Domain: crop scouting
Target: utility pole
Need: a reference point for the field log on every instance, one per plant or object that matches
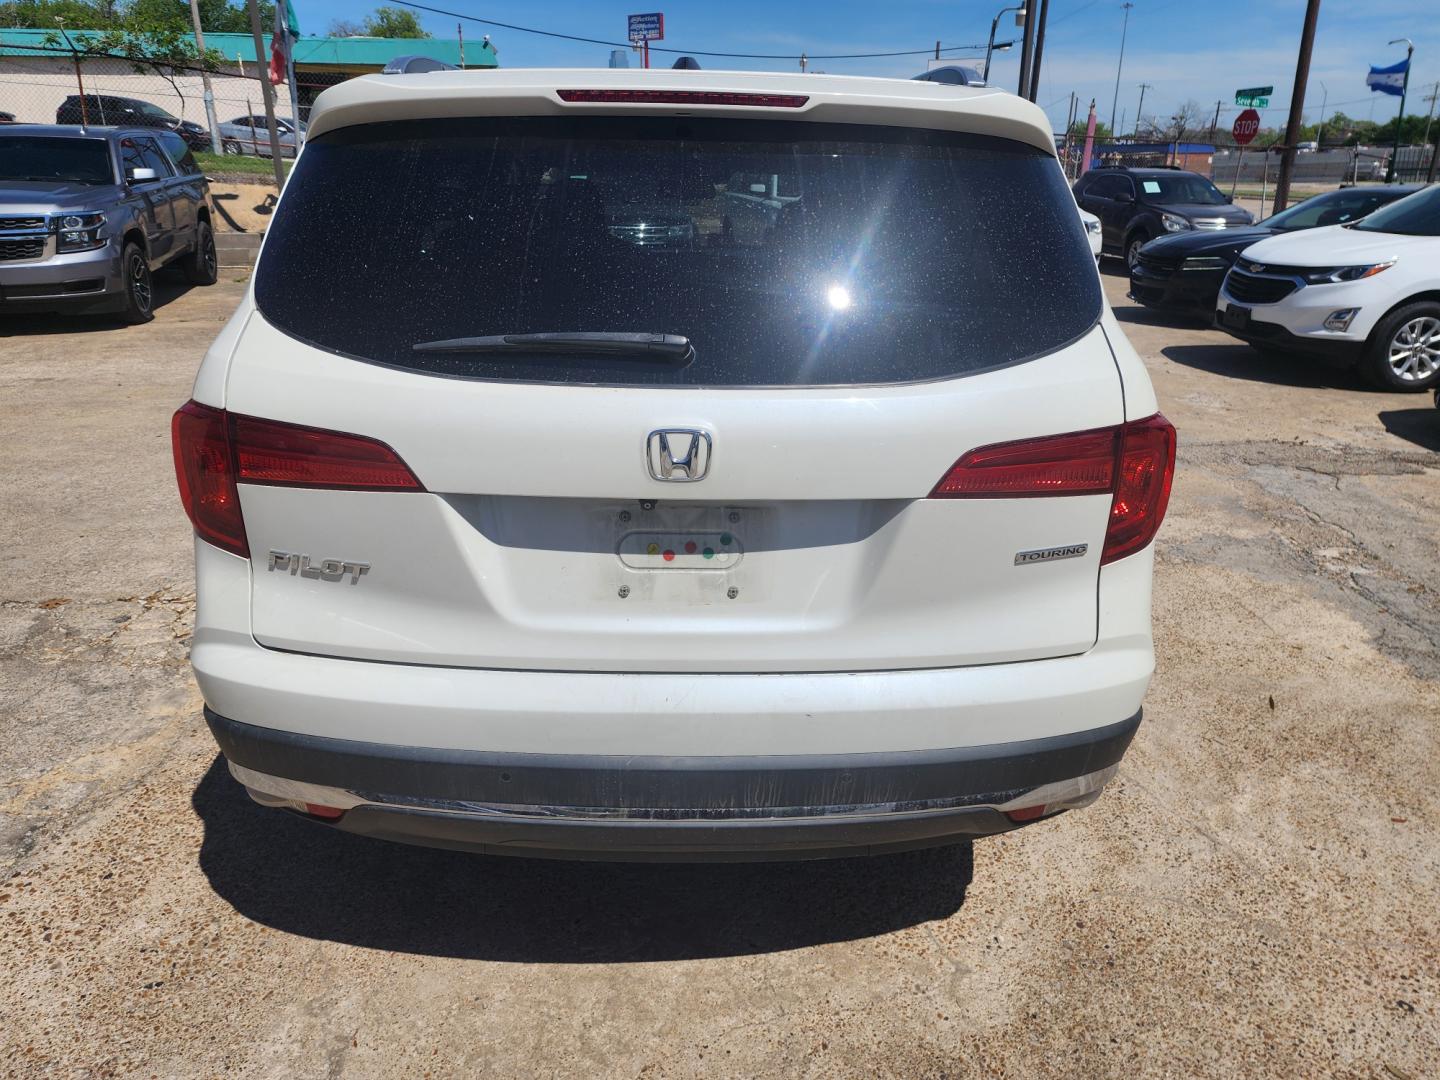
(1039, 49)
(1119, 65)
(1400, 116)
(1297, 107)
(1027, 49)
(209, 94)
(1140, 112)
(268, 91)
(1434, 151)
(1216, 122)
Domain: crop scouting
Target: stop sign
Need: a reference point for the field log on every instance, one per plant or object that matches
(1247, 126)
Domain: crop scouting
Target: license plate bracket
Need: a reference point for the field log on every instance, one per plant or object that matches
(1236, 317)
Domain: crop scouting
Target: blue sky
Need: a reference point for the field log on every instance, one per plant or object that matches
(1184, 49)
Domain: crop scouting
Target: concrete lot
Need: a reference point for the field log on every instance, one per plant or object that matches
(1257, 894)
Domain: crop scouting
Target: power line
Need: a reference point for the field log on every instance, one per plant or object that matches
(930, 51)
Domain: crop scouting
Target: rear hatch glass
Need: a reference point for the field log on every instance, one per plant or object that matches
(787, 253)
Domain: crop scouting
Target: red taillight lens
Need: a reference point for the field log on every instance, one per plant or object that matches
(1079, 464)
(205, 471)
(684, 97)
(216, 450)
(1142, 487)
(287, 455)
(1134, 461)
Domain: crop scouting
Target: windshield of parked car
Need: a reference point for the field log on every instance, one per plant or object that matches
(1334, 208)
(1177, 189)
(788, 253)
(40, 158)
(1417, 215)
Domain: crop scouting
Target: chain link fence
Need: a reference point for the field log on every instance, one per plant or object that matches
(45, 85)
(1227, 165)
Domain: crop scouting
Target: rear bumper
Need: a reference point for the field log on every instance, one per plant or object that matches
(672, 807)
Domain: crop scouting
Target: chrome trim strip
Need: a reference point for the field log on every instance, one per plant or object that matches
(278, 791)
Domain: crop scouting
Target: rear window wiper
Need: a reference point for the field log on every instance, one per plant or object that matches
(622, 345)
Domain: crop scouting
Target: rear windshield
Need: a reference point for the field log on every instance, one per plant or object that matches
(787, 253)
(47, 158)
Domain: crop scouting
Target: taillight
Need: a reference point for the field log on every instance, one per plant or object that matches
(288, 455)
(205, 471)
(1142, 487)
(1134, 463)
(1082, 463)
(216, 450)
(683, 97)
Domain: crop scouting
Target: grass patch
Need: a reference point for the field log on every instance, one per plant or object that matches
(240, 165)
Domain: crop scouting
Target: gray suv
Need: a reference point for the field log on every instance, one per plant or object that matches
(87, 215)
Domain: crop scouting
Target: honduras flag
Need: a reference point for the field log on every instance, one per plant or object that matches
(1388, 80)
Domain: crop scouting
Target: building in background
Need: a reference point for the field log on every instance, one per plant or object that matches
(35, 77)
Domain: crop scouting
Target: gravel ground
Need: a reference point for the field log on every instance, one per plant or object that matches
(1257, 894)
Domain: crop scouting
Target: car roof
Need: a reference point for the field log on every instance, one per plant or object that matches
(75, 131)
(828, 99)
(1143, 170)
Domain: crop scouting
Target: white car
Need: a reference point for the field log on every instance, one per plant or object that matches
(1365, 293)
(1092, 231)
(515, 535)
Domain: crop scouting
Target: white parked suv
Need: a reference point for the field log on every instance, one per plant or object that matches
(520, 534)
(1365, 293)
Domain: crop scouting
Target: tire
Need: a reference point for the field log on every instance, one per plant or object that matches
(1132, 249)
(231, 147)
(139, 286)
(201, 265)
(1403, 353)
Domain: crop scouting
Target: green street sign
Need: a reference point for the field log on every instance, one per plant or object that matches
(1257, 97)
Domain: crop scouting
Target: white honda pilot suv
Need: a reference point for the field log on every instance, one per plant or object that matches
(551, 500)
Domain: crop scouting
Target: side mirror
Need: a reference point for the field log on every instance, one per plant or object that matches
(1229, 199)
(136, 176)
(1124, 197)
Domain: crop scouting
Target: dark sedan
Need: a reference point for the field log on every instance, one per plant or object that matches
(1182, 273)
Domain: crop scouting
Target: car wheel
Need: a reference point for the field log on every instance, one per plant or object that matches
(231, 147)
(201, 266)
(139, 287)
(1132, 249)
(1404, 350)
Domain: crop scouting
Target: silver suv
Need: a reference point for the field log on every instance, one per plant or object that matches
(88, 214)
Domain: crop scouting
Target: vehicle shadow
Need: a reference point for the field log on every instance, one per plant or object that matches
(1240, 361)
(306, 879)
(1144, 316)
(1419, 426)
(169, 287)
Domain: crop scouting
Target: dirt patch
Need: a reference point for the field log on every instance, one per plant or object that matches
(242, 207)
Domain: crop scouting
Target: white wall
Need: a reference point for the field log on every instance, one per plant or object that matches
(33, 87)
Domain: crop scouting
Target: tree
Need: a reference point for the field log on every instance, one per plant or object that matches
(1185, 121)
(1077, 130)
(42, 14)
(345, 28)
(217, 16)
(393, 22)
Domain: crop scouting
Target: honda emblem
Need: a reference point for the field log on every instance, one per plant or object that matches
(679, 454)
